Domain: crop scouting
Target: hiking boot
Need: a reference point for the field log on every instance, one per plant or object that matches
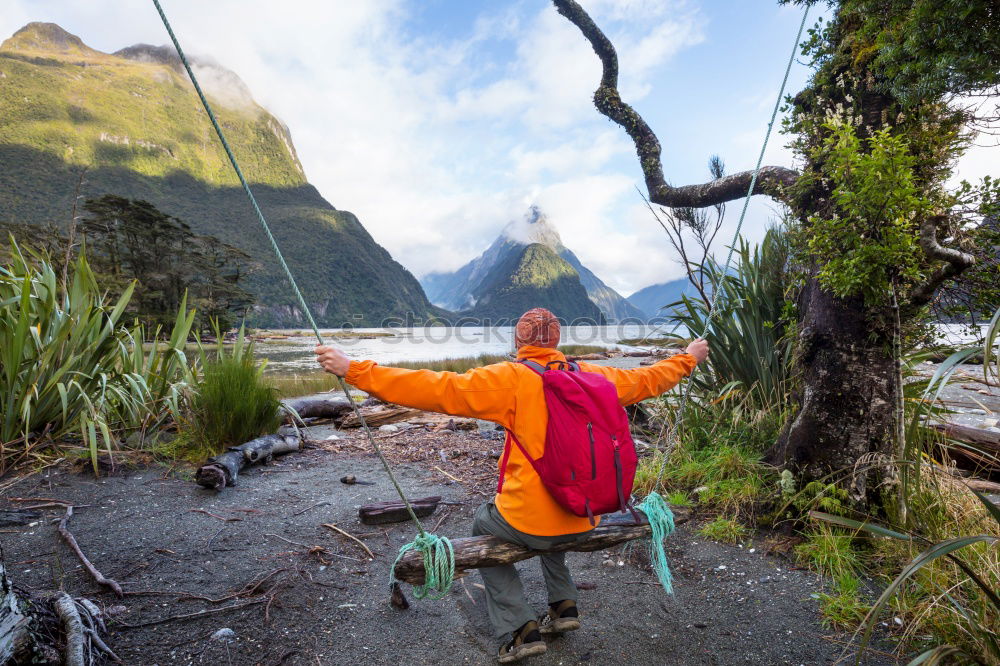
(563, 616)
(525, 642)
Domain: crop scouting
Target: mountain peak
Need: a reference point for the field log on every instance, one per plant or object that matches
(534, 227)
(220, 83)
(164, 55)
(48, 38)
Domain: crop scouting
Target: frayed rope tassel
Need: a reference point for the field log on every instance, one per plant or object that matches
(661, 523)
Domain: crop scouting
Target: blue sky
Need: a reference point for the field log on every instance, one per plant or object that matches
(438, 121)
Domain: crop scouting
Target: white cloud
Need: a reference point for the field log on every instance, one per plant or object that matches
(437, 142)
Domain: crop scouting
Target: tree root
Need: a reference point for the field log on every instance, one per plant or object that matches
(76, 638)
(71, 540)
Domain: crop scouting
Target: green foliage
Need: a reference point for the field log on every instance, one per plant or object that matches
(830, 551)
(716, 460)
(678, 498)
(232, 403)
(131, 241)
(103, 109)
(820, 496)
(869, 242)
(749, 333)
(926, 48)
(845, 608)
(958, 594)
(69, 367)
(579, 350)
(725, 530)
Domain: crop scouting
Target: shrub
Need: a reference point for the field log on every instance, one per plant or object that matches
(69, 366)
(233, 403)
(725, 530)
(749, 333)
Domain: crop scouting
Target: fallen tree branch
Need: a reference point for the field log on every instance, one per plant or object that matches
(188, 616)
(91, 569)
(351, 536)
(379, 417)
(976, 436)
(223, 469)
(317, 407)
(490, 551)
(771, 180)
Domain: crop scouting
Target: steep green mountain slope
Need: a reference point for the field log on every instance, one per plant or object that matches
(132, 120)
(455, 291)
(535, 276)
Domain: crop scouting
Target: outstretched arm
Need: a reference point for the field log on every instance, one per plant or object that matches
(638, 384)
(482, 393)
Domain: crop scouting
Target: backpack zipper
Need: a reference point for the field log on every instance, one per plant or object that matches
(618, 476)
(593, 458)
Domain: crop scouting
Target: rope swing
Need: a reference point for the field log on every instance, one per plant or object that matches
(438, 554)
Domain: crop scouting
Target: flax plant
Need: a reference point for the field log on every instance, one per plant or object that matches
(70, 369)
(751, 344)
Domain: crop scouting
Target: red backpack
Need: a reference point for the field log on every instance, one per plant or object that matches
(589, 461)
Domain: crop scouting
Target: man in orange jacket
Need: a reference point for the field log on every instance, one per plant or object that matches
(510, 394)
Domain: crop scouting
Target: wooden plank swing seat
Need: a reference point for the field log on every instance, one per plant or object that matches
(476, 552)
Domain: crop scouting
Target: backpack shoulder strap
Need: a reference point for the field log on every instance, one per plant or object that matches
(537, 367)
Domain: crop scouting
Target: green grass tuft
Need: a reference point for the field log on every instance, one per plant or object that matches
(828, 550)
(725, 530)
(844, 608)
(233, 403)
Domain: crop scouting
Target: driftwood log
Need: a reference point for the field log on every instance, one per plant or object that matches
(380, 417)
(983, 439)
(490, 551)
(15, 623)
(223, 469)
(317, 406)
(381, 513)
(10, 517)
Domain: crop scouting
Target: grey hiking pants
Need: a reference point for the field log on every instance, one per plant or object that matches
(505, 602)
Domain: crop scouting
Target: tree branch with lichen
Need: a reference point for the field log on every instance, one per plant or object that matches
(955, 261)
(771, 180)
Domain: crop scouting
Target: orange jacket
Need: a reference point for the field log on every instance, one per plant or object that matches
(511, 394)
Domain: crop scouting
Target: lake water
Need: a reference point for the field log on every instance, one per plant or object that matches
(430, 343)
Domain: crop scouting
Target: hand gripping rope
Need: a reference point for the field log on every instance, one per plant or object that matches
(439, 557)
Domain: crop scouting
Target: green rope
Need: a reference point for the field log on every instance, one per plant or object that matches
(661, 524)
(439, 565)
(424, 541)
(713, 308)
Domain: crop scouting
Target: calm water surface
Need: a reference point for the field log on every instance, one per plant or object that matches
(430, 343)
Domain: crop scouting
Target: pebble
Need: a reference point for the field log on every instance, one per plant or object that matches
(225, 634)
(389, 427)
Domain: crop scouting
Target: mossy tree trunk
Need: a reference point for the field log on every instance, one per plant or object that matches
(846, 403)
(846, 409)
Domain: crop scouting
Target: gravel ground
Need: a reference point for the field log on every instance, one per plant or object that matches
(163, 537)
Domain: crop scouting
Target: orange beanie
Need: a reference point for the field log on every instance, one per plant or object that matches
(537, 327)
